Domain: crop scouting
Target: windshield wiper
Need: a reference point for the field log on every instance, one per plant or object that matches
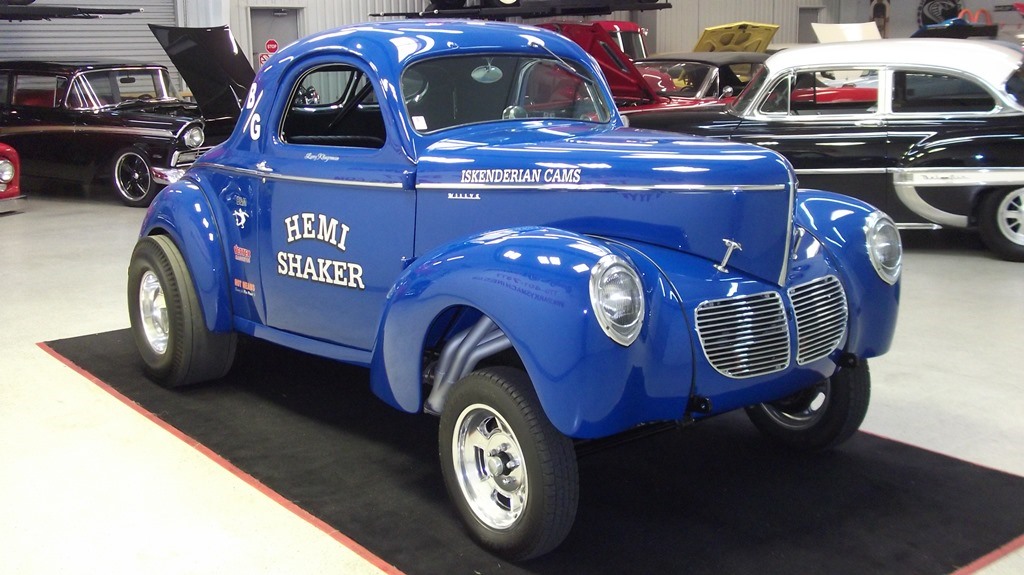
(561, 63)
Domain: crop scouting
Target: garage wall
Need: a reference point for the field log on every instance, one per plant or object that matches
(124, 38)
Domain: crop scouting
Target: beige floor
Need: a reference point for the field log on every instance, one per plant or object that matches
(88, 485)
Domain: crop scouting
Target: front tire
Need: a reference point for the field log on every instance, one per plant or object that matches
(1001, 223)
(511, 475)
(167, 322)
(820, 417)
(133, 178)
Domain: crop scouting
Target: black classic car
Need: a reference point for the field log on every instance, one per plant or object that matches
(100, 121)
(929, 130)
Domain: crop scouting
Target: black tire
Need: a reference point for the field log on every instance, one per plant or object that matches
(166, 321)
(820, 417)
(1001, 223)
(133, 178)
(517, 488)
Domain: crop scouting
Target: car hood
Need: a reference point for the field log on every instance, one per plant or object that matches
(736, 37)
(626, 81)
(213, 66)
(682, 193)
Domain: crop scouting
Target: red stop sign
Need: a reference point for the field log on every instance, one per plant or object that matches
(271, 45)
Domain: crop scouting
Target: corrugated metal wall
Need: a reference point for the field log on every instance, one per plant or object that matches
(113, 37)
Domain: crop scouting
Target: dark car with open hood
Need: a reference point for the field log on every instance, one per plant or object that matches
(123, 123)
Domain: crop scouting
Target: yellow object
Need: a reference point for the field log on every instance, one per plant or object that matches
(736, 37)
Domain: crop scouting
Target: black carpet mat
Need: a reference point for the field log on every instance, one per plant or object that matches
(710, 498)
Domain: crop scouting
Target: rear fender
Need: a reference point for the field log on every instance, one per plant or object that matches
(183, 212)
(533, 283)
(837, 224)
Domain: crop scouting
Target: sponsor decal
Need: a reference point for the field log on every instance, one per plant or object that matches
(240, 217)
(243, 255)
(327, 230)
(247, 288)
(321, 157)
(241, 201)
(522, 176)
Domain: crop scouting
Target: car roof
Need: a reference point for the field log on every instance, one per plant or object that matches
(71, 67)
(989, 60)
(715, 58)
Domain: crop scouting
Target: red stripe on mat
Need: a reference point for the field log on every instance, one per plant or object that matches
(992, 557)
(281, 500)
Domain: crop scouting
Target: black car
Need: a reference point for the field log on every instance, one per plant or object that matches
(929, 130)
(124, 123)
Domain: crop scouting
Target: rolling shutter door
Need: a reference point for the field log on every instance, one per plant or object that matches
(119, 38)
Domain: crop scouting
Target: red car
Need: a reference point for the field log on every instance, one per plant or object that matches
(11, 198)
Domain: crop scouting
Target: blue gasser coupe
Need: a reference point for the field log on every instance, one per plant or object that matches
(458, 207)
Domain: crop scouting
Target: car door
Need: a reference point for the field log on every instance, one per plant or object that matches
(827, 122)
(35, 123)
(336, 209)
(941, 110)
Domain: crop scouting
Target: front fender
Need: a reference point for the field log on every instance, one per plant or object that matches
(183, 212)
(837, 224)
(534, 284)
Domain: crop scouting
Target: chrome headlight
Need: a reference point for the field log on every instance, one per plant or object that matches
(194, 137)
(617, 298)
(6, 171)
(884, 246)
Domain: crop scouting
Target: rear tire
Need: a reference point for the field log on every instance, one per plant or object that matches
(819, 417)
(167, 322)
(511, 475)
(1001, 223)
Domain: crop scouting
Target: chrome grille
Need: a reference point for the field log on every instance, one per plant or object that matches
(820, 308)
(744, 336)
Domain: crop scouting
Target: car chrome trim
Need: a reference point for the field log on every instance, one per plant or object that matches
(19, 130)
(907, 180)
(820, 171)
(283, 177)
(15, 204)
(658, 187)
(744, 336)
(918, 226)
(820, 310)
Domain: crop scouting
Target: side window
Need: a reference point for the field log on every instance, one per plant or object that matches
(38, 91)
(4, 83)
(825, 93)
(334, 105)
(916, 92)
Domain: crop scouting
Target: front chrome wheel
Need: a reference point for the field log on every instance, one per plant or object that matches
(153, 313)
(489, 465)
(132, 178)
(801, 411)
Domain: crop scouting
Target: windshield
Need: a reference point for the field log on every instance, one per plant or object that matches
(632, 43)
(679, 79)
(748, 94)
(103, 88)
(1015, 85)
(445, 92)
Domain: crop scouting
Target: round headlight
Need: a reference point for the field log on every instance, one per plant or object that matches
(884, 247)
(6, 171)
(617, 298)
(194, 137)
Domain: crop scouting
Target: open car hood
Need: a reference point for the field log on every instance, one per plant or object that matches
(212, 64)
(736, 37)
(626, 81)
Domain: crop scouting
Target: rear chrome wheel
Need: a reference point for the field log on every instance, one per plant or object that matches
(1001, 223)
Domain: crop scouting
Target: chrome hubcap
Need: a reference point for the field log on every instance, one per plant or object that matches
(153, 312)
(489, 464)
(802, 410)
(1010, 216)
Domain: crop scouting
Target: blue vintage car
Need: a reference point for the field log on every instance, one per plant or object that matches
(458, 207)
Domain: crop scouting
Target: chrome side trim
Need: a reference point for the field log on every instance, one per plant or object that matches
(841, 171)
(19, 130)
(282, 177)
(907, 180)
(657, 187)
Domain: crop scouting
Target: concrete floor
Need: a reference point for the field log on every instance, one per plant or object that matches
(89, 485)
